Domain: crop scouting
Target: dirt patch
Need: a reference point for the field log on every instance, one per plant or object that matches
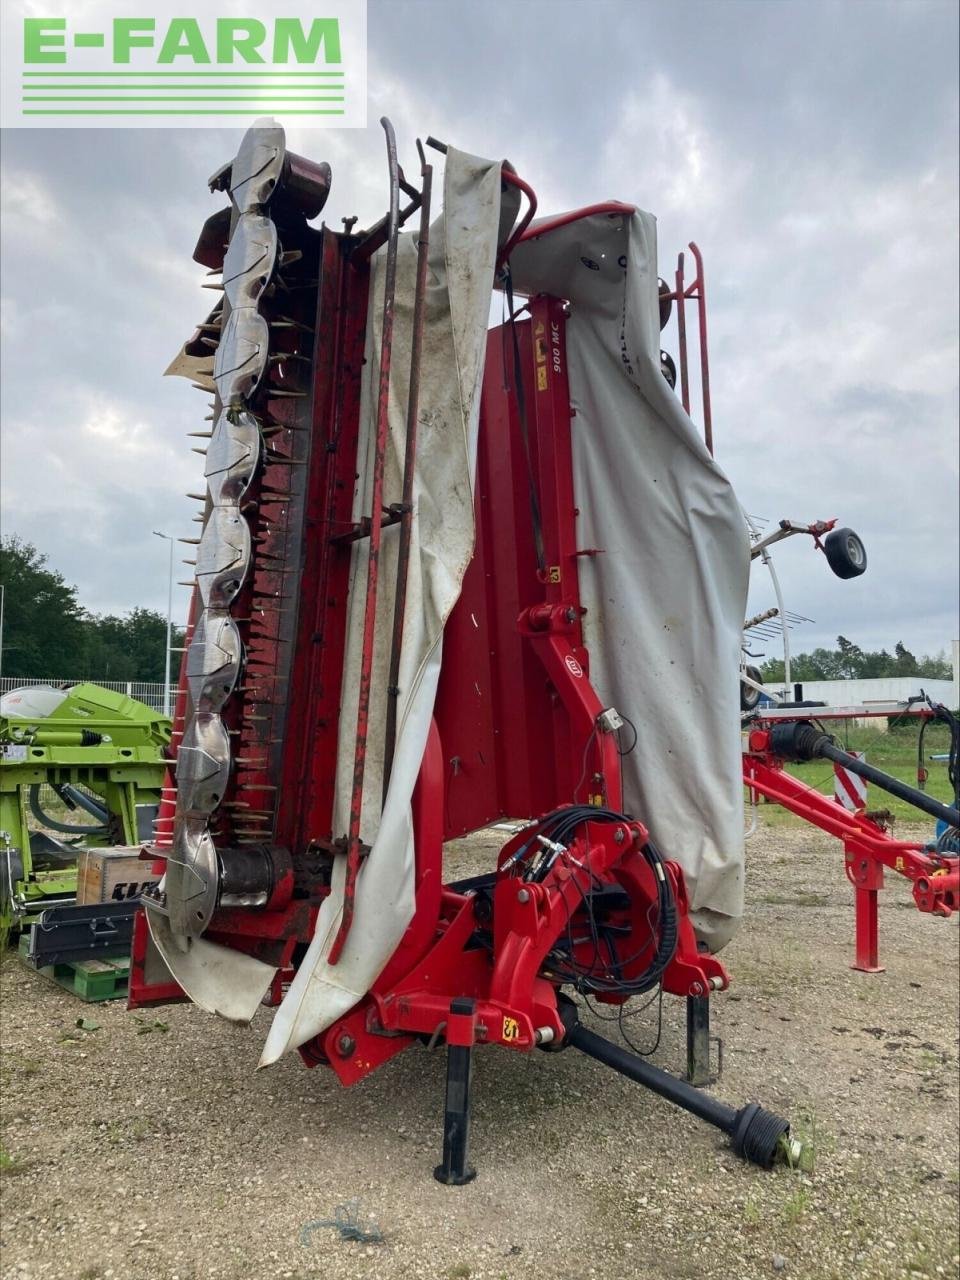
(150, 1147)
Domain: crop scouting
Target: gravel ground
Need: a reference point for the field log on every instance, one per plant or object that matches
(151, 1148)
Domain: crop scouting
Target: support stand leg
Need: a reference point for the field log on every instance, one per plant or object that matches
(867, 930)
(461, 1032)
(698, 1040)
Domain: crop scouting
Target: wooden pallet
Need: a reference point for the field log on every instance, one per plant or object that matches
(91, 980)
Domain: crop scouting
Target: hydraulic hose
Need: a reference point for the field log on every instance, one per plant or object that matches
(72, 796)
(64, 828)
(800, 740)
(757, 1135)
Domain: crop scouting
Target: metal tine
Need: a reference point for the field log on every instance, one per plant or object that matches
(409, 467)
(373, 555)
(286, 322)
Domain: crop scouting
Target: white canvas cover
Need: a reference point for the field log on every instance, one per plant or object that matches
(666, 599)
(463, 247)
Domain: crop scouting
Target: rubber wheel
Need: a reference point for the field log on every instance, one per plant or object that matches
(846, 554)
(750, 697)
(668, 369)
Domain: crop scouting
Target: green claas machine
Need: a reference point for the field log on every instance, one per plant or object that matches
(80, 767)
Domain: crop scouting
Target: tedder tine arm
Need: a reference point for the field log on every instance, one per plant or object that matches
(373, 558)
(409, 466)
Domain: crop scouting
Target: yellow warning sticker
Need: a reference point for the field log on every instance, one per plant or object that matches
(542, 378)
(511, 1029)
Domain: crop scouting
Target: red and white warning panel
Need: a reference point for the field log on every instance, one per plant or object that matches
(849, 789)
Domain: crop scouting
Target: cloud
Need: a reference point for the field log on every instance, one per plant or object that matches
(811, 155)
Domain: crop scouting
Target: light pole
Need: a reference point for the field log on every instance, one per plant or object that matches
(166, 665)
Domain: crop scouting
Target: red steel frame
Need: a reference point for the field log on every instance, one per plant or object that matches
(867, 848)
(538, 630)
(555, 754)
(682, 292)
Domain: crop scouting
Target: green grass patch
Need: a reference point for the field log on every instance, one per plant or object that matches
(11, 1164)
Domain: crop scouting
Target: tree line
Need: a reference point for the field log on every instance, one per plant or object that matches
(849, 662)
(47, 632)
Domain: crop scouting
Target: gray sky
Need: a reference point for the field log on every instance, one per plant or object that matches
(809, 148)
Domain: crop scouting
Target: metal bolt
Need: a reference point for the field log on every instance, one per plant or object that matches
(619, 836)
(696, 989)
(523, 895)
(345, 1045)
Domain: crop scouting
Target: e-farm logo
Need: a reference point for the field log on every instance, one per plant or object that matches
(92, 64)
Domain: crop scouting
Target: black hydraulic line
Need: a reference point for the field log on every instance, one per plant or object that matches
(800, 740)
(756, 1134)
(71, 795)
(64, 828)
(897, 788)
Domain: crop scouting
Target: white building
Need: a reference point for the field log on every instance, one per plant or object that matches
(846, 693)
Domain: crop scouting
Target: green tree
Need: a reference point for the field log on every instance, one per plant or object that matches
(849, 662)
(48, 635)
(936, 667)
(906, 663)
(43, 622)
(128, 648)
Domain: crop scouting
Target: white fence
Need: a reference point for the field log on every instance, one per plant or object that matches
(145, 691)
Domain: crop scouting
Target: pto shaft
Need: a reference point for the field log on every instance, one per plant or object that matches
(800, 740)
(757, 1135)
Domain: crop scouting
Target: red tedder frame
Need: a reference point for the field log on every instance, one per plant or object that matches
(867, 847)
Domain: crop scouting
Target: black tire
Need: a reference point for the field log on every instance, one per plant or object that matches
(846, 554)
(750, 697)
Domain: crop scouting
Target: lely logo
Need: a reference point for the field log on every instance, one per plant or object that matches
(91, 63)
